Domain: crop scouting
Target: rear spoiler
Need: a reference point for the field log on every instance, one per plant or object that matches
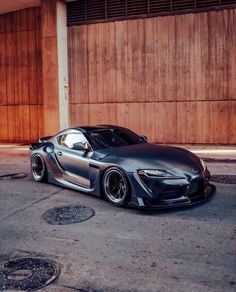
(34, 146)
(44, 139)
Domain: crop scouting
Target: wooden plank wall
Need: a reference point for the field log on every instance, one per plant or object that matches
(21, 104)
(172, 78)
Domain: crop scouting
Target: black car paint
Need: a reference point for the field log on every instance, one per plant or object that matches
(83, 170)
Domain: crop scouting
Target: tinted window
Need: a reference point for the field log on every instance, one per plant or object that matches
(107, 138)
(68, 140)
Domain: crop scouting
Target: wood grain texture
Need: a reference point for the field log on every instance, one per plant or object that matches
(172, 78)
(20, 76)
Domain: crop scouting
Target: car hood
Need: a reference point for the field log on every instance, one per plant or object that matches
(149, 155)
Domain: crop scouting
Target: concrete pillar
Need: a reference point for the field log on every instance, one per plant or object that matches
(62, 64)
(54, 65)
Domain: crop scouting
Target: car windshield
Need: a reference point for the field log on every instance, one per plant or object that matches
(107, 138)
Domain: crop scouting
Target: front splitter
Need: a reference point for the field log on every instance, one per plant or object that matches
(209, 191)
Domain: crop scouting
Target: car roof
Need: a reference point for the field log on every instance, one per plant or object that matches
(85, 129)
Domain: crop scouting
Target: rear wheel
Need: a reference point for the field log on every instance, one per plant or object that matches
(38, 168)
(115, 186)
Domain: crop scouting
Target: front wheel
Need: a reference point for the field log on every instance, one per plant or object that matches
(115, 186)
(38, 168)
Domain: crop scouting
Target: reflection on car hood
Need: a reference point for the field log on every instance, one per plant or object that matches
(148, 155)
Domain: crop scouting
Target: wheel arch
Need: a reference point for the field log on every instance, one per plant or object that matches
(124, 173)
(45, 169)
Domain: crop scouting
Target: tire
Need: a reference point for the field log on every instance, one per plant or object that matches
(38, 168)
(116, 187)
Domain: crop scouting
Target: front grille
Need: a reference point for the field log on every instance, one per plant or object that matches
(170, 193)
(162, 191)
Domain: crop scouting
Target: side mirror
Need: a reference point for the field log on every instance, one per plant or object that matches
(144, 138)
(80, 146)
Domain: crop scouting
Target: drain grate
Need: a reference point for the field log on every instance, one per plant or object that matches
(223, 178)
(12, 176)
(68, 215)
(27, 274)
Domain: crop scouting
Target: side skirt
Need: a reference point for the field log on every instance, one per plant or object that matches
(67, 184)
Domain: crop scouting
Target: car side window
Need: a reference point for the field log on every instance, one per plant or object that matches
(68, 140)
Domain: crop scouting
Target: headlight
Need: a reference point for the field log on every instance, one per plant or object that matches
(154, 173)
(203, 164)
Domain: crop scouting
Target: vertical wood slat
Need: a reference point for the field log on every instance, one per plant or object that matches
(20, 100)
(10, 67)
(231, 53)
(172, 78)
(3, 77)
(4, 123)
(32, 68)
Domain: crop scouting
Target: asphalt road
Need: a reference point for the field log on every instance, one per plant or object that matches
(191, 249)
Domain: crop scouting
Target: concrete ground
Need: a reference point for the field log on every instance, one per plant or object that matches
(191, 249)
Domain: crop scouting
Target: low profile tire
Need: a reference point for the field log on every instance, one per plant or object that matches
(38, 168)
(116, 187)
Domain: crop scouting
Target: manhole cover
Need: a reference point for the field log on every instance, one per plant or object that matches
(27, 274)
(12, 176)
(224, 179)
(68, 215)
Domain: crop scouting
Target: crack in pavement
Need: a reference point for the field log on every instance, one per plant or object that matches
(32, 253)
(31, 205)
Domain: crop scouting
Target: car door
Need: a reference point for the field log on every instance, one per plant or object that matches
(74, 162)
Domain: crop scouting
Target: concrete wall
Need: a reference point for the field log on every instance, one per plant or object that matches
(21, 102)
(171, 78)
(33, 72)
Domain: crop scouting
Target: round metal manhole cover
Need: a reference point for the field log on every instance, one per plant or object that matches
(12, 176)
(68, 215)
(27, 274)
(223, 179)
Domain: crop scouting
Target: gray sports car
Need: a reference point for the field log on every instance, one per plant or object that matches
(115, 162)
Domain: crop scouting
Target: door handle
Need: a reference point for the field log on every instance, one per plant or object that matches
(59, 153)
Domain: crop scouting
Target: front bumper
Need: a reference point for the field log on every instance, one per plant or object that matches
(176, 203)
(170, 193)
